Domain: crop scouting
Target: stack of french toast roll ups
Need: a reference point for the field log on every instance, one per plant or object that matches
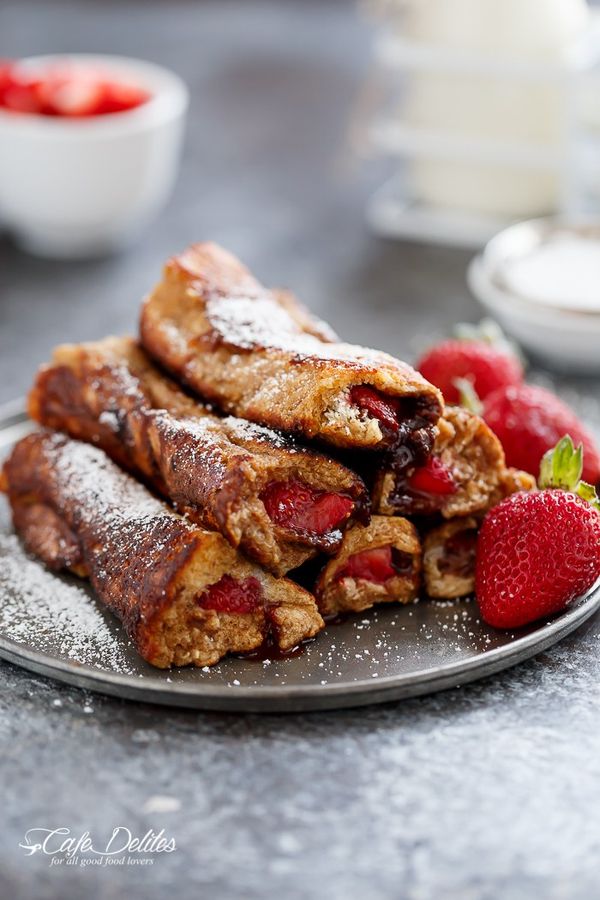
(236, 475)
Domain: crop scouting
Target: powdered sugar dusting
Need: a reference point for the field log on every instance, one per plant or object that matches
(100, 491)
(243, 430)
(55, 615)
(257, 322)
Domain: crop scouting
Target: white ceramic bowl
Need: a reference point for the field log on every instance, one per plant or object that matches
(78, 187)
(563, 340)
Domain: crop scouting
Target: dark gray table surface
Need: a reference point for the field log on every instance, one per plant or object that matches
(483, 792)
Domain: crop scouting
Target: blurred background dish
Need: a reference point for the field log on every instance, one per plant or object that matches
(541, 280)
(81, 186)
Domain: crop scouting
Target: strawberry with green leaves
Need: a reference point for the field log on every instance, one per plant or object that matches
(537, 552)
(480, 354)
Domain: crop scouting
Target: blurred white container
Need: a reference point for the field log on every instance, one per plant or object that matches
(519, 28)
(488, 107)
(540, 281)
(483, 110)
(78, 187)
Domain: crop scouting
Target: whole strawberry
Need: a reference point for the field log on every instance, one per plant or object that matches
(537, 552)
(480, 356)
(529, 421)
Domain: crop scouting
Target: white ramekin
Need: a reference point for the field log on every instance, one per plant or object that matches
(563, 340)
(77, 187)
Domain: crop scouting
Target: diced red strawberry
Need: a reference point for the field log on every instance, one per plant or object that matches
(295, 505)
(231, 596)
(119, 97)
(68, 91)
(377, 565)
(6, 68)
(385, 409)
(72, 97)
(433, 478)
(22, 97)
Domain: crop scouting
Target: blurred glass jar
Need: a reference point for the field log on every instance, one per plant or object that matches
(490, 109)
(489, 106)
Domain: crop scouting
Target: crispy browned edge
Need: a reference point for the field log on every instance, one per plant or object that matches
(354, 595)
(198, 322)
(146, 563)
(109, 393)
(471, 450)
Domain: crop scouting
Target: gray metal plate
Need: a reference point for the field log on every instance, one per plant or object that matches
(53, 625)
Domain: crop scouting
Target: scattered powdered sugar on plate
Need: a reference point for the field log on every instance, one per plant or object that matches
(54, 614)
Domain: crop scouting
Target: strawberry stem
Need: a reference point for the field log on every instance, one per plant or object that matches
(468, 395)
(562, 466)
(588, 492)
(561, 469)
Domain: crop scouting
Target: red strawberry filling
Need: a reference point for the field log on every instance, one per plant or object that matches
(385, 409)
(423, 491)
(231, 596)
(433, 478)
(296, 506)
(377, 565)
(459, 554)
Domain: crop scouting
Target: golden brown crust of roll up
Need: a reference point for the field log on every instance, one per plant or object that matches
(212, 324)
(151, 567)
(337, 594)
(110, 394)
(471, 452)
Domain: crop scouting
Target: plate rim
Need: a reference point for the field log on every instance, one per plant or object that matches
(297, 698)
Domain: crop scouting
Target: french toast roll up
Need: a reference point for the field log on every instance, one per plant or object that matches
(449, 558)
(377, 563)
(461, 476)
(183, 594)
(242, 347)
(449, 549)
(280, 503)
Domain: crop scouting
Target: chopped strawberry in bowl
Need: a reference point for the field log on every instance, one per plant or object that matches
(90, 149)
(68, 90)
